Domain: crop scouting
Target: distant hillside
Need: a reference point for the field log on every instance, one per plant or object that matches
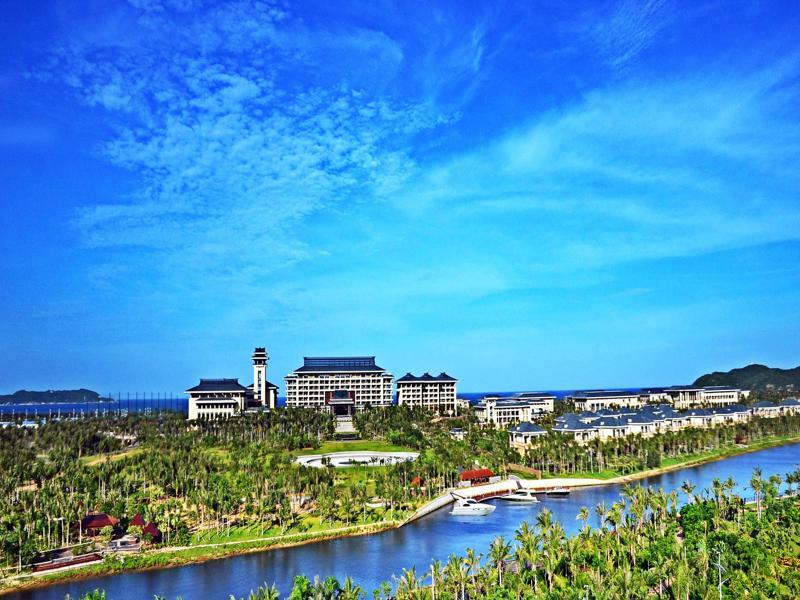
(28, 397)
(755, 377)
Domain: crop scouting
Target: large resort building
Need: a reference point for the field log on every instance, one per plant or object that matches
(508, 410)
(605, 399)
(222, 398)
(689, 396)
(342, 385)
(435, 393)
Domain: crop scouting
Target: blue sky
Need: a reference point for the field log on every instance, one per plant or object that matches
(535, 195)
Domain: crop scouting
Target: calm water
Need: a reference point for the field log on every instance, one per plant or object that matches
(376, 558)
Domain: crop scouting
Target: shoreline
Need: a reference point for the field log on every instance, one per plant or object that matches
(31, 581)
(702, 460)
(241, 547)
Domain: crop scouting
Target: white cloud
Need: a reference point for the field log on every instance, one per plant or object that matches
(233, 143)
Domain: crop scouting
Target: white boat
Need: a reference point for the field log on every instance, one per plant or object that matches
(522, 495)
(467, 507)
(559, 491)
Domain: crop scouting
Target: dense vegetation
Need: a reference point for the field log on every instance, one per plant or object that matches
(181, 477)
(204, 483)
(754, 377)
(236, 479)
(643, 546)
(557, 454)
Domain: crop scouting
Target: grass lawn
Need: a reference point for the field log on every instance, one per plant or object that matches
(96, 459)
(354, 446)
(307, 525)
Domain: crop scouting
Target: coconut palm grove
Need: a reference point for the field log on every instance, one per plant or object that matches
(520, 279)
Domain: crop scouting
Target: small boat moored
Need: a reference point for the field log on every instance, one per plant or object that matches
(468, 507)
(559, 491)
(522, 496)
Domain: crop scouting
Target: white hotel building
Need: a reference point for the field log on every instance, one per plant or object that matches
(222, 398)
(509, 410)
(433, 393)
(342, 385)
(687, 396)
(595, 400)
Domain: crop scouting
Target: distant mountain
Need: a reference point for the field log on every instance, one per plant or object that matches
(755, 377)
(30, 397)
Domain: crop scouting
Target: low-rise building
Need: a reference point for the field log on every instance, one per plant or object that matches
(522, 436)
(581, 432)
(435, 393)
(652, 419)
(216, 398)
(222, 398)
(458, 433)
(689, 396)
(341, 385)
(594, 400)
(502, 411)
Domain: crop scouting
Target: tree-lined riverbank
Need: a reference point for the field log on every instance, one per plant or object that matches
(231, 487)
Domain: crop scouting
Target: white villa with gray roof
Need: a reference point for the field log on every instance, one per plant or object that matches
(647, 421)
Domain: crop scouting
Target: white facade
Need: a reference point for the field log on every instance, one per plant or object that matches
(683, 397)
(264, 393)
(523, 435)
(339, 384)
(605, 399)
(504, 411)
(433, 393)
(216, 398)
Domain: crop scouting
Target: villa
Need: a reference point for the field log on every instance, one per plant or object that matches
(607, 424)
(520, 436)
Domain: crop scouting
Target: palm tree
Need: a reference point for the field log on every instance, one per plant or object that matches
(350, 590)
(757, 483)
(583, 515)
(688, 488)
(499, 552)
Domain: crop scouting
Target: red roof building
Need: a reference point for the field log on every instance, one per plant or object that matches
(153, 531)
(93, 523)
(137, 521)
(476, 475)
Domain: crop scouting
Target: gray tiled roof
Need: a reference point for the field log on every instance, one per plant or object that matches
(338, 364)
(426, 377)
(527, 427)
(218, 385)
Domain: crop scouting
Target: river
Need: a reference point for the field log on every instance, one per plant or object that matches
(371, 559)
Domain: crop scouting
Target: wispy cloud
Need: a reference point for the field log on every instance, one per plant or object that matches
(631, 28)
(646, 169)
(233, 146)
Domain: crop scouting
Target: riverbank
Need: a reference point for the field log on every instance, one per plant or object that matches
(165, 558)
(203, 552)
(685, 462)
